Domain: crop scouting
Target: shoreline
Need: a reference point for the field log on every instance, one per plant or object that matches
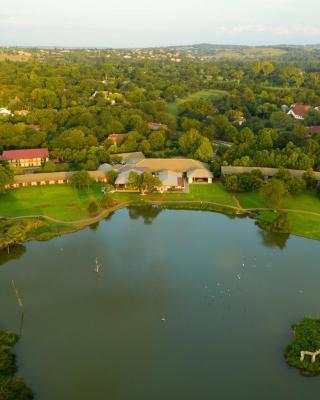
(192, 205)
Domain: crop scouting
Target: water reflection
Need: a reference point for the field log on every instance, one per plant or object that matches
(271, 239)
(15, 253)
(147, 213)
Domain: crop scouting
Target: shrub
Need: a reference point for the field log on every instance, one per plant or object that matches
(107, 201)
(111, 176)
(93, 208)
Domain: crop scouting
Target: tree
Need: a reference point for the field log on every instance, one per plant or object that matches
(111, 176)
(204, 152)
(93, 208)
(274, 192)
(157, 140)
(231, 183)
(15, 234)
(81, 179)
(6, 176)
(145, 182)
(310, 179)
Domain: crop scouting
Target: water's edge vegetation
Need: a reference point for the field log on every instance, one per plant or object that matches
(11, 386)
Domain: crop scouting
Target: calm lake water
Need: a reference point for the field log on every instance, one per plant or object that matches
(188, 305)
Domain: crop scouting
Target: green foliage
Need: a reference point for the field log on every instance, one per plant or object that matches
(11, 387)
(93, 208)
(81, 179)
(274, 192)
(193, 145)
(107, 201)
(6, 176)
(145, 182)
(111, 176)
(306, 338)
(246, 182)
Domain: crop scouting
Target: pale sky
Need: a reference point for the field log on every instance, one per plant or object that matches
(144, 23)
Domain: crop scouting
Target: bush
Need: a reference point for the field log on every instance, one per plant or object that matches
(81, 179)
(107, 201)
(306, 338)
(111, 176)
(13, 388)
(93, 208)
(294, 184)
(310, 179)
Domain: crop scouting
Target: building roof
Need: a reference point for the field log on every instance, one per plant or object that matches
(229, 170)
(300, 109)
(115, 137)
(199, 173)
(53, 176)
(170, 178)
(156, 126)
(25, 154)
(105, 167)
(131, 158)
(123, 177)
(172, 164)
(314, 129)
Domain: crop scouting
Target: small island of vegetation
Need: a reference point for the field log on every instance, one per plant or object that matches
(11, 387)
(303, 352)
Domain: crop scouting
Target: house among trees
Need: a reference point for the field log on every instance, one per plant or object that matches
(156, 126)
(5, 111)
(117, 138)
(26, 158)
(299, 111)
(172, 172)
(314, 129)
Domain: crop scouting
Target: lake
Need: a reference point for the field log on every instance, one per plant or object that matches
(187, 305)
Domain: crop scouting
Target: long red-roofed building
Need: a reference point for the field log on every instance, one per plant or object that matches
(26, 158)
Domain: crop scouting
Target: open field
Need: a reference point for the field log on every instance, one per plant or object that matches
(62, 202)
(201, 94)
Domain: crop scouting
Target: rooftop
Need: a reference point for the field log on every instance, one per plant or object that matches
(24, 154)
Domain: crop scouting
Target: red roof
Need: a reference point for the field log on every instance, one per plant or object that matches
(300, 109)
(115, 137)
(156, 126)
(314, 129)
(25, 154)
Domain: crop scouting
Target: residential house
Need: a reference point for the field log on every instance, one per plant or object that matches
(171, 180)
(122, 180)
(5, 111)
(117, 138)
(26, 158)
(299, 111)
(156, 126)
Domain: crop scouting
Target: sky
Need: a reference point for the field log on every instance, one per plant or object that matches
(148, 23)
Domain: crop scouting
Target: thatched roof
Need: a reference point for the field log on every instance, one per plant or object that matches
(230, 170)
(53, 176)
(172, 164)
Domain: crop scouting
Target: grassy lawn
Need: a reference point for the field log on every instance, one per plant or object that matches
(58, 201)
(201, 94)
(307, 201)
(304, 225)
(251, 200)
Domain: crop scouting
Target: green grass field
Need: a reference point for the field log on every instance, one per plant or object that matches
(61, 201)
(201, 94)
(65, 203)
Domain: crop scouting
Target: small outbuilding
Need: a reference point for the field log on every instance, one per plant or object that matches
(199, 175)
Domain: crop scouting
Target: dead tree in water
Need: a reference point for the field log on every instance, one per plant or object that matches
(97, 267)
(16, 292)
